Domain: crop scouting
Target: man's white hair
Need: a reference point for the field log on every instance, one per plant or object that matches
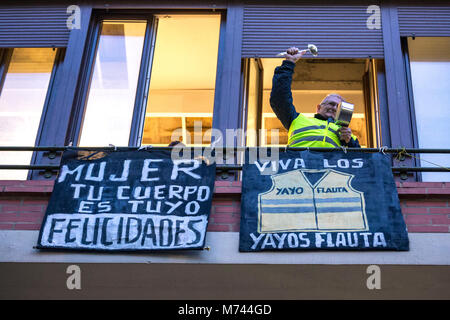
(334, 95)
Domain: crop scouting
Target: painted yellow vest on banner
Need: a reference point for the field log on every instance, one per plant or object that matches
(294, 204)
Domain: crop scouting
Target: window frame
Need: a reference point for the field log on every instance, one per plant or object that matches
(243, 114)
(412, 110)
(145, 68)
(52, 84)
(5, 60)
(410, 95)
(370, 88)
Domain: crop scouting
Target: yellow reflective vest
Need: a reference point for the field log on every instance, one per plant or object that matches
(312, 132)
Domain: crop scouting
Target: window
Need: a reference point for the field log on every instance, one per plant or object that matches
(312, 80)
(182, 84)
(110, 102)
(24, 87)
(430, 78)
(178, 86)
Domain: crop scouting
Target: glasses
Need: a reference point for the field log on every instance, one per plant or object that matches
(329, 104)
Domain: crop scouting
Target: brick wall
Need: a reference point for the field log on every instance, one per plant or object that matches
(23, 204)
(425, 205)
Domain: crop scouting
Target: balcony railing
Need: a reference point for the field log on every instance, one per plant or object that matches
(401, 154)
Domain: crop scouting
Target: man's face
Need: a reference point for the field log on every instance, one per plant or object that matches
(328, 107)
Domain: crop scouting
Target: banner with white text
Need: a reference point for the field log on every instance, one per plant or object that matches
(308, 200)
(133, 200)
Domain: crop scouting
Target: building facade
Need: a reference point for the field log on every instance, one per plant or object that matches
(135, 73)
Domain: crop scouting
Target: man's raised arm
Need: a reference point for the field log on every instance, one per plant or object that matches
(281, 96)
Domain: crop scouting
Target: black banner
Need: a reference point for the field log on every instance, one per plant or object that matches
(136, 200)
(307, 200)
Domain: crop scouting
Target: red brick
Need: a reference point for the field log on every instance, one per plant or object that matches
(10, 202)
(408, 210)
(31, 208)
(226, 209)
(223, 203)
(236, 183)
(27, 183)
(418, 203)
(6, 226)
(11, 182)
(412, 191)
(411, 185)
(225, 218)
(43, 202)
(30, 217)
(29, 189)
(434, 184)
(219, 227)
(22, 208)
(440, 210)
(42, 183)
(422, 184)
(431, 229)
(223, 183)
(227, 190)
(14, 189)
(8, 217)
(440, 219)
(412, 219)
(235, 227)
(438, 190)
(10, 208)
(27, 226)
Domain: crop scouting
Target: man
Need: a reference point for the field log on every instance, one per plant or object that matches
(320, 131)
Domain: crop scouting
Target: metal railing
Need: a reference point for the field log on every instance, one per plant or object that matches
(401, 154)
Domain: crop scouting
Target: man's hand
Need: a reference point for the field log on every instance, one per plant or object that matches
(293, 54)
(345, 133)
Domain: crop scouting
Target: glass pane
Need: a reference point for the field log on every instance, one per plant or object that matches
(252, 104)
(275, 133)
(311, 82)
(199, 129)
(159, 129)
(430, 75)
(110, 103)
(21, 103)
(183, 79)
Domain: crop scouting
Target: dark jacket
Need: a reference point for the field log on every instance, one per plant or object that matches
(281, 99)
